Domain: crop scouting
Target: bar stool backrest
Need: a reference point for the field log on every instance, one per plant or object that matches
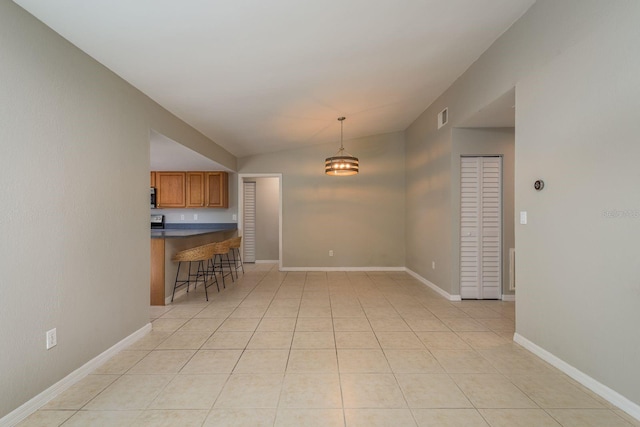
(220, 248)
(235, 242)
(199, 253)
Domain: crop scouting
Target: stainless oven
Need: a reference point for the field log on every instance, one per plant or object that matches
(157, 221)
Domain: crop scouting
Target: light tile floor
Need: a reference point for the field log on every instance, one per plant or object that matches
(328, 349)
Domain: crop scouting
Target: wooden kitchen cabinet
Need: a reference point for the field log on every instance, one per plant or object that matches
(195, 189)
(206, 189)
(170, 192)
(217, 189)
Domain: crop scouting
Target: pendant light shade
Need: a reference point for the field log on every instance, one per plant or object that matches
(343, 163)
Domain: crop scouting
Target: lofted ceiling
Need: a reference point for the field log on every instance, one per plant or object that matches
(501, 113)
(167, 155)
(261, 76)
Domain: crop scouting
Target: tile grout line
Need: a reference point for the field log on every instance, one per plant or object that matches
(376, 287)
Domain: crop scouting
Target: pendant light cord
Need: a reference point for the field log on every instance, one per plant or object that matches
(341, 120)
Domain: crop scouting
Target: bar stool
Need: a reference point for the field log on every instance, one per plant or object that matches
(198, 255)
(234, 245)
(216, 262)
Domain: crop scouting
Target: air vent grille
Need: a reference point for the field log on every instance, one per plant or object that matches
(443, 117)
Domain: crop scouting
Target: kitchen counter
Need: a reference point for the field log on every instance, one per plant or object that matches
(174, 238)
(172, 231)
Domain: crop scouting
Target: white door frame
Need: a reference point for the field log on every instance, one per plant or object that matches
(241, 177)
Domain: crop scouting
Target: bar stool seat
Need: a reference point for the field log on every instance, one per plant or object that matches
(199, 255)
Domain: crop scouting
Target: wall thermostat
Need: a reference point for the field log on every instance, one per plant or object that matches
(538, 185)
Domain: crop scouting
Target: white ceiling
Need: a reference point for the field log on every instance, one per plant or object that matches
(259, 76)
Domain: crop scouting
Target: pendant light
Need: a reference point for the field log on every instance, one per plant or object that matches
(343, 163)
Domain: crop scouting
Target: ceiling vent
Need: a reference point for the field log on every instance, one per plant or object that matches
(443, 117)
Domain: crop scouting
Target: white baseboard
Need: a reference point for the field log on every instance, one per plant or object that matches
(326, 269)
(266, 261)
(31, 406)
(508, 297)
(342, 269)
(434, 287)
(600, 389)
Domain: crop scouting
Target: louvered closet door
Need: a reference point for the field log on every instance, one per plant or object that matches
(249, 222)
(480, 227)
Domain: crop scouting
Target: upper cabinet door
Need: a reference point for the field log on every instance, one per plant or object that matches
(153, 179)
(170, 191)
(195, 189)
(217, 189)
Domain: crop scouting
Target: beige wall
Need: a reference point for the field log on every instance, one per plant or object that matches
(575, 66)
(428, 203)
(74, 217)
(267, 218)
(578, 261)
(360, 218)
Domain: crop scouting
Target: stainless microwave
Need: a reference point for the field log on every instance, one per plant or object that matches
(153, 198)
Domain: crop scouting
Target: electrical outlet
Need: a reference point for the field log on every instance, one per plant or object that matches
(181, 217)
(52, 339)
(331, 252)
(195, 217)
(234, 217)
(433, 265)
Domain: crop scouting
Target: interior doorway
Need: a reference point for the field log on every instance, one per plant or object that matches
(481, 227)
(488, 133)
(248, 220)
(260, 217)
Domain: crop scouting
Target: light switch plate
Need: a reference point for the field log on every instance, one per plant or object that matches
(52, 338)
(523, 217)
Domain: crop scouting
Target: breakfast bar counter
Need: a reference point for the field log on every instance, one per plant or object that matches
(174, 238)
(199, 230)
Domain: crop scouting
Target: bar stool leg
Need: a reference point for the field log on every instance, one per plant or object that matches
(221, 270)
(212, 263)
(235, 263)
(204, 274)
(216, 279)
(240, 258)
(189, 278)
(175, 284)
(211, 269)
(229, 264)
